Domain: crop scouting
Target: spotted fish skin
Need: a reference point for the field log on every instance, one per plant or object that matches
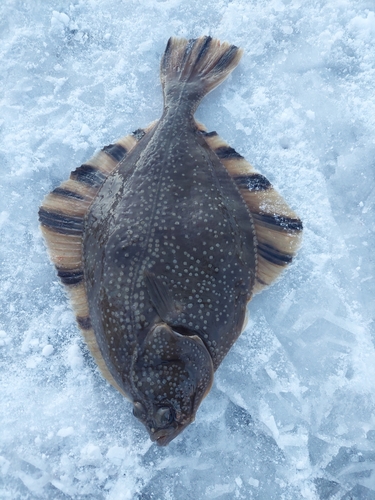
(180, 217)
(161, 239)
(168, 241)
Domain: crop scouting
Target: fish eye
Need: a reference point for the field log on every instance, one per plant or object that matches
(164, 416)
(139, 410)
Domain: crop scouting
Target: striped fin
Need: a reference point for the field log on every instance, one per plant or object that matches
(192, 68)
(278, 228)
(62, 215)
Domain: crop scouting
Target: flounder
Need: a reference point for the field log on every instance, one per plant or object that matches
(161, 240)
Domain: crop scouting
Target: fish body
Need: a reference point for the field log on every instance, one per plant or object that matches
(170, 246)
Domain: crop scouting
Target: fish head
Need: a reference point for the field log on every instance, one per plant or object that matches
(171, 376)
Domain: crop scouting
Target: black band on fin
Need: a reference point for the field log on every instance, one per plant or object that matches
(209, 134)
(273, 255)
(67, 193)
(60, 223)
(279, 221)
(205, 46)
(88, 175)
(226, 153)
(139, 133)
(116, 151)
(70, 276)
(253, 182)
(84, 323)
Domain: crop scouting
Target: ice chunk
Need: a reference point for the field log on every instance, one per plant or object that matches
(47, 350)
(65, 432)
(253, 482)
(74, 357)
(4, 465)
(326, 488)
(91, 455)
(116, 454)
(59, 17)
(364, 26)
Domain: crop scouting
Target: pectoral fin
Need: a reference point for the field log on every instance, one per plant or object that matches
(161, 297)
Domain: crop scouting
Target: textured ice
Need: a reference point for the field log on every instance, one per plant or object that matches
(292, 412)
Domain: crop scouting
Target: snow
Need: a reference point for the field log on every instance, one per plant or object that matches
(47, 350)
(292, 411)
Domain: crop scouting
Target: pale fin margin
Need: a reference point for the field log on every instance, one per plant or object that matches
(278, 228)
(62, 215)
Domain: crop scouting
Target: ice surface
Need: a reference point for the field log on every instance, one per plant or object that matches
(292, 412)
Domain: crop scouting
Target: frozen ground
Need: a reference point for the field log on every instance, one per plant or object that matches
(292, 413)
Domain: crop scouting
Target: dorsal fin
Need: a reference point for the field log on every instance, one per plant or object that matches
(62, 215)
(278, 228)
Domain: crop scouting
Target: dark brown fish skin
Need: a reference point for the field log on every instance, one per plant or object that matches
(157, 251)
(169, 263)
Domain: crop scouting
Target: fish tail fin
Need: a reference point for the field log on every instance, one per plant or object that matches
(192, 68)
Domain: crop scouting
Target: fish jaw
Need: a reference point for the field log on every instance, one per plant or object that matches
(163, 437)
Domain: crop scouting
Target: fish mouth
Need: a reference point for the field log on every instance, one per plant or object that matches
(163, 440)
(163, 437)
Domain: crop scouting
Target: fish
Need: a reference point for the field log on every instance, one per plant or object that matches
(162, 239)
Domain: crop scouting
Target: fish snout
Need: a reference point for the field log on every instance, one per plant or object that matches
(162, 437)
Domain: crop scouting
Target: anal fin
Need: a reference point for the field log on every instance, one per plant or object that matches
(278, 228)
(62, 218)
